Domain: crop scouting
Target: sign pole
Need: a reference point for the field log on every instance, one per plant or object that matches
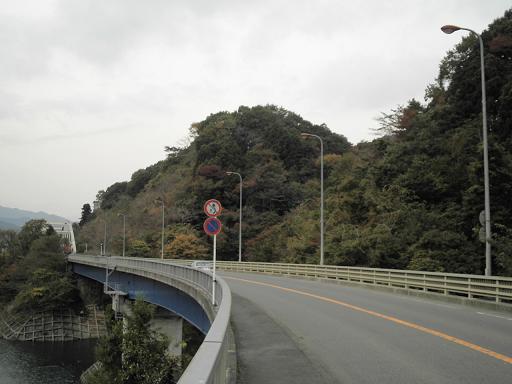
(214, 265)
(212, 227)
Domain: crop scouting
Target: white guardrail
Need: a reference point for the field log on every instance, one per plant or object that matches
(212, 363)
(476, 287)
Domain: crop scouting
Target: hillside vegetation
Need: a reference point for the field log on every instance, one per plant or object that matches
(409, 199)
(33, 274)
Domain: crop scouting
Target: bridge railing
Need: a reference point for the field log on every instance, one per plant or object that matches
(475, 287)
(489, 288)
(212, 363)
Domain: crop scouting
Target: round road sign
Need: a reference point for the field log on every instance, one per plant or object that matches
(212, 208)
(212, 226)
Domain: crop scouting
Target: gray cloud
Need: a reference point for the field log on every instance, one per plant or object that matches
(16, 140)
(108, 84)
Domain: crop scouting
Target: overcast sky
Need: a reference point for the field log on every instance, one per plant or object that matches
(91, 91)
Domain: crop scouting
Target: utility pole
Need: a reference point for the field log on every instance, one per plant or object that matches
(240, 218)
(321, 193)
(448, 29)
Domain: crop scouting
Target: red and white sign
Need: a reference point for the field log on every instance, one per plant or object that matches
(212, 208)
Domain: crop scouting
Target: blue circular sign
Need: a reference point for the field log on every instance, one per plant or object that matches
(212, 226)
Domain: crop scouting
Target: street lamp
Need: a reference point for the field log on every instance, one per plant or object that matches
(105, 239)
(163, 225)
(306, 135)
(240, 219)
(448, 29)
(124, 229)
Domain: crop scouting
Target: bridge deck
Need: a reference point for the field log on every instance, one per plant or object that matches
(354, 335)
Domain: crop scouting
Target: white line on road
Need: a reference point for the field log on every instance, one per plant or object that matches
(431, 302)
(491, 315)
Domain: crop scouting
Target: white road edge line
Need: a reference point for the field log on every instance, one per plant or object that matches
(498, 317)
(431, 302)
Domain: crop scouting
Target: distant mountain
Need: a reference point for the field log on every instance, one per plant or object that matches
(14, 218)
(4, 225)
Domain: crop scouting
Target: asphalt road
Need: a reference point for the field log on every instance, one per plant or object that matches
(301, 331)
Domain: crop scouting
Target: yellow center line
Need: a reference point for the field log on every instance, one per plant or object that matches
(418, 327)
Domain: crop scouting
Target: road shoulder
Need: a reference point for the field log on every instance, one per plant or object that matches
(265, 351)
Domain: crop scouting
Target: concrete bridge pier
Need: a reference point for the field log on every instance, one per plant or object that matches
(163, 321)
(170, 325)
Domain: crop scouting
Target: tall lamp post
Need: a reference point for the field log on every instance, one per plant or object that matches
(305, 135)
(240, 219)
(105, 239)
(163, 226)
(448, 29)
(124, 230)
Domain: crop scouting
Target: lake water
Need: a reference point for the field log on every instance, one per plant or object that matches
(44, 363)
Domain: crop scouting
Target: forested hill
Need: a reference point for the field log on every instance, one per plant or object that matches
(263, 143)
(409, 199)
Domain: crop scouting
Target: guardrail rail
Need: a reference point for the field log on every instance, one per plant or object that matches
(496, 289)
(486, 288)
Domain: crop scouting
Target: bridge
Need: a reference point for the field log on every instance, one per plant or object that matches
(65, 230)
(327, 324)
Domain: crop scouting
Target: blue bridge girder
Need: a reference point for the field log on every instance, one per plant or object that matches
(152, 291)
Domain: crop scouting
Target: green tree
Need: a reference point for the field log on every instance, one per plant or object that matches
(9, 246)
(31, 231)
(136, 354)
(139, 248)
(45, 252)
(503, 250)
(185, 246)
(46, 290)
(86, 214)
(36, 280)
(113, 194)
(141, 178)
(109, 352)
